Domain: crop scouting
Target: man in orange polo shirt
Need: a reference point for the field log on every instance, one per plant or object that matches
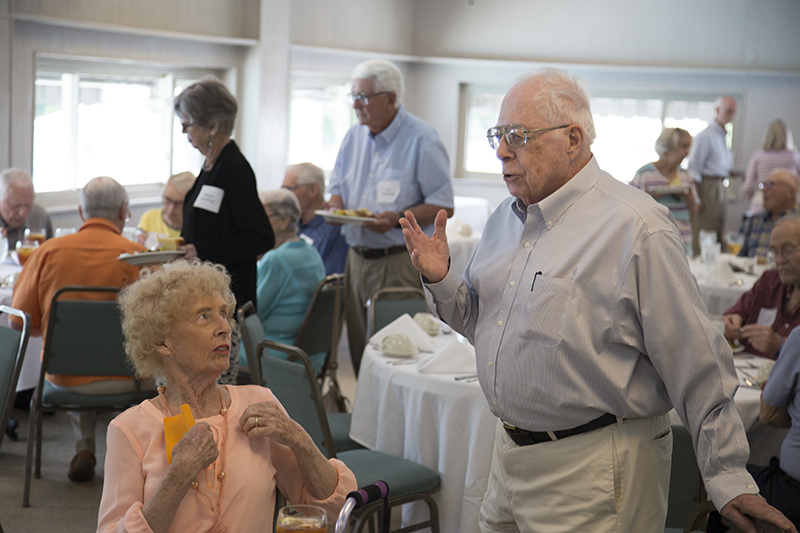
(88, 257)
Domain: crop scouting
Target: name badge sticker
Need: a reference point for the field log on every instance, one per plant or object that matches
(766, 317)
(388, 191)
(210, 198)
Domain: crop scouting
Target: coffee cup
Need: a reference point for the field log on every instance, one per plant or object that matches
(397, 344)
(428, 322)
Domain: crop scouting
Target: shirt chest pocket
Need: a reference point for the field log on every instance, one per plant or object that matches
(546, 311)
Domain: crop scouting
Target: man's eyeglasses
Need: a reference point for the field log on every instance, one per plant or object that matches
(170, 202)
(766, 185)
(515, 136)
(295, 187)
(363, 99)
(787, 252)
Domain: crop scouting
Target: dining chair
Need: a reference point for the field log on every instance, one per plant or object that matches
(252, 334)
(388, 303)
(83, 338)
(12, 352)
(686, 487)
(296, 387)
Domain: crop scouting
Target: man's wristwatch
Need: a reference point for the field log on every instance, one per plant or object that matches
(402, 215)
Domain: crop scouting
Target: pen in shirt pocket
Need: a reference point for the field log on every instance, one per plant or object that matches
(534, 279)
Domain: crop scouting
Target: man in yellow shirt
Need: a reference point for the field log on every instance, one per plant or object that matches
(167, 220)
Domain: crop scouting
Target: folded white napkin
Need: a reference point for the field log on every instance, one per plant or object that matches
(404, 324)
(722, 273)
(452, 358)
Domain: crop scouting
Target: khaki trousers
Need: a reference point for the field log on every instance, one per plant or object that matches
(362, 277)
(611, 480)
(712, 216)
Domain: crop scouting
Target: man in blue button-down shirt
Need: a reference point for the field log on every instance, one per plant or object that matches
(588, 328)
(391, 161)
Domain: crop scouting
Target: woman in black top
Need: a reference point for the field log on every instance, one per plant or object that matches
(223, 220)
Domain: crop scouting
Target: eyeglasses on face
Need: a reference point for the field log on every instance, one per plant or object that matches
(766, 185)
(515, 136)
(363, 99)
(167, 202)
(295, 187)
(185, 127)
(787, 252)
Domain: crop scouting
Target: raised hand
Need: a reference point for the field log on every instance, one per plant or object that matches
(196, 449)
(429, 255)
(267, 419)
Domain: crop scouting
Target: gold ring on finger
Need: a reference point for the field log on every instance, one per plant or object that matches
(256, 425)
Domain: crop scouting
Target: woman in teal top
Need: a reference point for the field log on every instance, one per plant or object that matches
(287, 275)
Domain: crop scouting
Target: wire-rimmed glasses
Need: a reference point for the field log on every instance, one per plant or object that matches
(363, 99)
(516, 136)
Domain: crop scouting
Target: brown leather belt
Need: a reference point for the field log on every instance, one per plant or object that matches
(714, 177)
(524, 437)
(375, 253)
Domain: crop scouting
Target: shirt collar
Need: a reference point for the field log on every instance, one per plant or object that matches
(390, 132)
(100, 222)
(555, 205)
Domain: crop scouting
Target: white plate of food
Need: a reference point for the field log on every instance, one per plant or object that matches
(347, 216)
(150, 258)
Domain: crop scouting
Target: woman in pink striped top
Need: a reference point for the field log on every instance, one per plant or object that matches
(776, 152)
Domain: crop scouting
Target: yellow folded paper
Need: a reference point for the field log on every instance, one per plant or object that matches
(175, 427)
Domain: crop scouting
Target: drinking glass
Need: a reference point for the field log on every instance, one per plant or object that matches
(60, 232)
(710, 252)
(35, 234)
(25, 249)
(308, 518)
(735, 242)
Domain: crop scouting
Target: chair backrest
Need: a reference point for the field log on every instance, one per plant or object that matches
(296, 387)
(322, 323)
(685, 484)
(84, 337)
(12, 351)
(391, 302)
(252, 335)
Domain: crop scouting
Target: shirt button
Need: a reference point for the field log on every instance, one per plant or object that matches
(491, 363)
(513, 283)
(499, 322)
(749, 485)
(527, 244)
(494, 402)
(549, 223)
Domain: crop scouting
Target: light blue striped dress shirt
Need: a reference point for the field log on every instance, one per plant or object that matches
(409, 153)
(583, 304)
(710, 155)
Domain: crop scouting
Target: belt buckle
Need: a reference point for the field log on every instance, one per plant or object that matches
(509, 427)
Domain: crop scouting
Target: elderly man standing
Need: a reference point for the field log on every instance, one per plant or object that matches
(88, 257)
(588, 328)
(391, 162)
(307, 182)
(710, 163)
(17, 210)
(780, 193)
(764, 316)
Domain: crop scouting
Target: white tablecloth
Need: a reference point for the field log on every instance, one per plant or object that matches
(720, 297)
(433, 420)
(461, 246)
(765, 441)
(31, 365)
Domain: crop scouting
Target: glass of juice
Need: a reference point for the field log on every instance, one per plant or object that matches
(735, 242)
(35, 234)
(308, 518)
(25, 249)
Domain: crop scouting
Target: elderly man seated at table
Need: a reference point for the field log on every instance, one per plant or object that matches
(236, 447)
(780, 192)
(88, 257)
(764, 316)
(18, 212)
(307, 182)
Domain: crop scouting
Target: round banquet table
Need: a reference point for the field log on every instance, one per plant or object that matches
(431, 419)
(719, 297)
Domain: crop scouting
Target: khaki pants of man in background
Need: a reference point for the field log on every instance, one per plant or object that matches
(711, 216)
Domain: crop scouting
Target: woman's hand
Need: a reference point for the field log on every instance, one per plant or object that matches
(196, 450)
(191, 251)
(267, 419)
(429, 255)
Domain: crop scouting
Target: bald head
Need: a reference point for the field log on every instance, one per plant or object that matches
(16, 196)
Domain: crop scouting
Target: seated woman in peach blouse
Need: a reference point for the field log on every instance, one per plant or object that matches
(222, 473)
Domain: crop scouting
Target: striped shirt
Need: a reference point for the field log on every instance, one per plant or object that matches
(648, 177)
(710, 155)
(583, 304)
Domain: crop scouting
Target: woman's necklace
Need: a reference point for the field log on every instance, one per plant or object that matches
(219, 464)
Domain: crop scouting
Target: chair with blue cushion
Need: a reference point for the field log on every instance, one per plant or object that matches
(252, 332)
(296, 387)
(83, 338)
(388, 303)
(12, 351)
